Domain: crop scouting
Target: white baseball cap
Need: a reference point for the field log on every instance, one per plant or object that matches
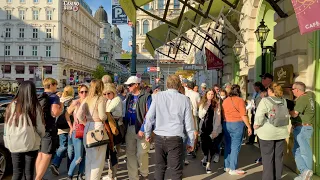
(133, 80)
(204, 85)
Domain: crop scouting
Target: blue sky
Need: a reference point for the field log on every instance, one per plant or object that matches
(125, 29)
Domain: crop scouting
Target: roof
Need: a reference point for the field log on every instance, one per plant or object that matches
(101, 15)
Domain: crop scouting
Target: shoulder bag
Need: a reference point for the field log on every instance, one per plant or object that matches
(96, 137)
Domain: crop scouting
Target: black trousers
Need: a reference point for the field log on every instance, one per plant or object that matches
(252, 137)
(23, 165)
(207, 146)
(272, 158)
(169, 155)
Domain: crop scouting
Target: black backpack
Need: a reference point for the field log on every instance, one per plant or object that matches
(44, 101)
(61, 121)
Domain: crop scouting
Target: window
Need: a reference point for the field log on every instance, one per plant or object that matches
(49, 15)
(21, 14)
(35, 14)
(19, 69)
(49, 33)
(48, 69)
(35, 33)
(145, 26)
(146, 7)
(34, 50)
(21, 33)
(7, 69)
(21, 50)
(8, 32)
(160, 4)
(176, 4)
(48, 51)
(22, 1)
(36, 1)
(31, 69)
(9, 14)
(49, 1)
(7, 50)
(9, 1)
(137, 28)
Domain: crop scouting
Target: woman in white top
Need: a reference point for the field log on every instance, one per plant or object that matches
(23, 130)
(114, 106)
(210, 126)
(92, 112)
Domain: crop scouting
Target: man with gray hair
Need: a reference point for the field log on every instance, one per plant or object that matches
(172, 123)
(303, 117)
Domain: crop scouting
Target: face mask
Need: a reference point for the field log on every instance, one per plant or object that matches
(223, 97)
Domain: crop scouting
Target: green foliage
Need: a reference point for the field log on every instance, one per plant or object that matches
(100, 72)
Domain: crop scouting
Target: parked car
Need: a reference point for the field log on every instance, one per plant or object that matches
(5, 157)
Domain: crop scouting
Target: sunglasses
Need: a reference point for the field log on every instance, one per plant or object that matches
(106, 94)
(82, 92)
(131, 84)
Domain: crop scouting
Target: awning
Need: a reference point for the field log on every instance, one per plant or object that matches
(129, 7)
(158, 36)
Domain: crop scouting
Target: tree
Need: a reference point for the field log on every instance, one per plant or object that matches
(99, 72)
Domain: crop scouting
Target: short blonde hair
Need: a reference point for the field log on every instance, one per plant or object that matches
(110, 88)
(173, 82)
(276, 89)
(81, 86)
(49, 81)
(106, 79)
(96, 88)
(68, 91)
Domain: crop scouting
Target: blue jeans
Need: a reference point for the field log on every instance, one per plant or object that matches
(301, 150)
(76, 146)
(61, 151)
(233, 139)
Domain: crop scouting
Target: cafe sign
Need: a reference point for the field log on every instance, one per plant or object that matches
(283, 75)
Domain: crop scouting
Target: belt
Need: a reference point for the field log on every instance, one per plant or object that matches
(168, 137)
(301, 124)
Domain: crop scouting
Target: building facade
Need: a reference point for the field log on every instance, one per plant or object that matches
(110, 45)
(41, 34)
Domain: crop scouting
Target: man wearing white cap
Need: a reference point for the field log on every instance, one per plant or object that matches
(203, 89)
(137, 148)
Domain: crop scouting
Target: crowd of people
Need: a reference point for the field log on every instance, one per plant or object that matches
(41, 130)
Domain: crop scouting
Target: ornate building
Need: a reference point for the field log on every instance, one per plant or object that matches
(110, 43)
(41, 34)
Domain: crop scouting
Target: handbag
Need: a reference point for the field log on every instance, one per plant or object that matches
(96, 137)
(79, 130)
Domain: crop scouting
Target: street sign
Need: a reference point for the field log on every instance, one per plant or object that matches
(118, 15)
(194, 67)
(71, 79)
(153, 69)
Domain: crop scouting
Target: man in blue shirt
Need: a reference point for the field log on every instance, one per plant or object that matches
(137, 148)
(171, 115)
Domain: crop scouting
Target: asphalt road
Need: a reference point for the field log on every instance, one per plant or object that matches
(195, 171)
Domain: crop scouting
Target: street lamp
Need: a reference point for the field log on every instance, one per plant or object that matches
(262, 34)
(237, 48)
(4, 56)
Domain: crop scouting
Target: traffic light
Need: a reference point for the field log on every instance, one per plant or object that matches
(77, 79)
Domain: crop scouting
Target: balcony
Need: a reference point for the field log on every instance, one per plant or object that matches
(30, 58)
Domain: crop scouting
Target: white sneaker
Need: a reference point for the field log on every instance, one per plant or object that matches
(236, 172)
(208, 168)
(186, 162)
(226, 169)
(106, 165)
(307, 174)
(216, 158)
(204, 161)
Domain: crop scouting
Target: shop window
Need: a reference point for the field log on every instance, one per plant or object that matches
(48, 69)
(7, 69)
(19, 69)
(20, 80)
(32, 69)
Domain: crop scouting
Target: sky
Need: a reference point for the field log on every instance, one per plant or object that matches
(124, 29)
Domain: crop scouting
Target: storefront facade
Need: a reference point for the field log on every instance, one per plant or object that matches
(295, 54)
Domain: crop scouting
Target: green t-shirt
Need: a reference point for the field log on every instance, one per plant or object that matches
(305, 105)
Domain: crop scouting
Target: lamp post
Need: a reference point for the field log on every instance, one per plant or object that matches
(237, 48)
(262, 34)
(4, 56)
(134, 53)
